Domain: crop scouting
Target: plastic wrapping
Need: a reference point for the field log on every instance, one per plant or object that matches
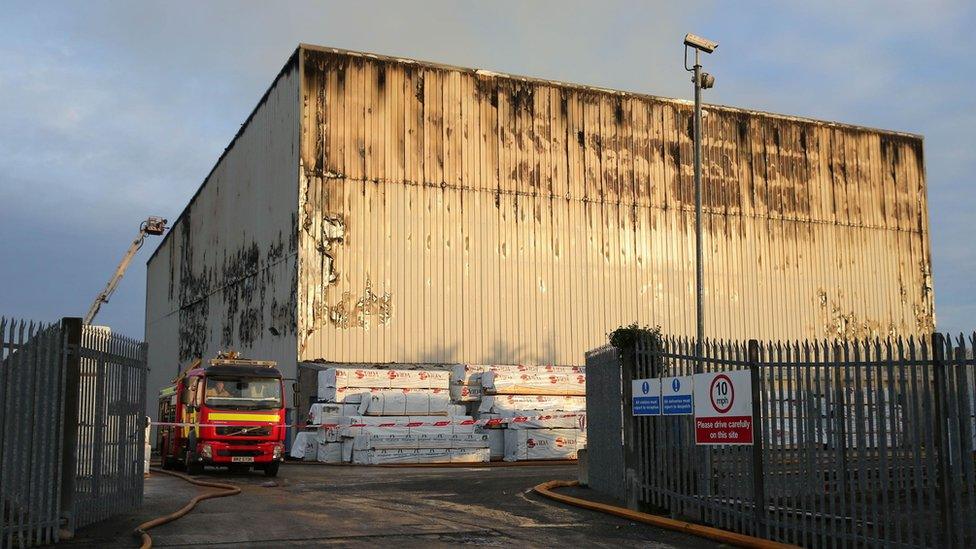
(455, 410)
(470, 374)
(383, 379)
(406, 425)
(304, 447)
(507, 404)
(465, 393)
(329, 452)
(342, 395)
(529, 444)
(329, 431)
(455, 455)
(377, 439)
(406, 403)
(533, 419)
(326, 412)
(496, 443)
(529, 383)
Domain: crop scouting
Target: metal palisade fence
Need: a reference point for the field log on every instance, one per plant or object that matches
(31, 426)
(867, 443)
(72, 401)
(604, 444)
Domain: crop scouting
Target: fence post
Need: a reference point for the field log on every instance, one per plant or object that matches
(71, 362)
(758, 474)
(628, 367)
(941, 437)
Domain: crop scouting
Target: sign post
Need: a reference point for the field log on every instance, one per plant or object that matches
(723, 408)
(646, 397)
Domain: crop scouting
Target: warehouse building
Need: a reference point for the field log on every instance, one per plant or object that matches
(376, 209)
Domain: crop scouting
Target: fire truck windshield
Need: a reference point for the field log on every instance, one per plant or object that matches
(243, 393)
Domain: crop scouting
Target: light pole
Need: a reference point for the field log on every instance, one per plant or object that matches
(702, 81)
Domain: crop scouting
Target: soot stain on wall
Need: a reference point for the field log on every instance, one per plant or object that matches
(244, 280)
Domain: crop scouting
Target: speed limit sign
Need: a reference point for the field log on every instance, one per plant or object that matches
(723, 408)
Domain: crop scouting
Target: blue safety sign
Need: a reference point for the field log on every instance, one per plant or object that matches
(646, 398)
(677, 396)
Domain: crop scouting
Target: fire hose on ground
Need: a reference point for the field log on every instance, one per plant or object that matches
(722, 536)
(225, 490)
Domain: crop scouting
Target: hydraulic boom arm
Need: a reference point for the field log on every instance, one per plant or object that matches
(151, 226)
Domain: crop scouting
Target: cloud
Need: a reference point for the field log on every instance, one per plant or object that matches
(117, 110)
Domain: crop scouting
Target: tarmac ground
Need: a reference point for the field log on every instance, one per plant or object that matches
(318, 505)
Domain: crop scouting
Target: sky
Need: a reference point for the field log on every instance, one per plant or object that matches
(112, 111)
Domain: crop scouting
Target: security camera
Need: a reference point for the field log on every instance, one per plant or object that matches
(700, 43)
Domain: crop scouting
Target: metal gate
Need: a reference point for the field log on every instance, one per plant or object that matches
(865, 443)
(72, 422)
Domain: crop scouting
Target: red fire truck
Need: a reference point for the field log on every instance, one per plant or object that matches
(229, 412)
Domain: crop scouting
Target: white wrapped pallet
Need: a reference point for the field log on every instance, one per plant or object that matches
(465, 393)
(304, 447)
(378, 439)
(428, 455)
(470, 374)
(465, 374)
(530, 444)
(323, 412)
(355, 395)
(455, 410)
(529, 383)
(348, 395)
(419, 379)
(501, 404)
(389, 378)
(353, 377)
(330, 431)
(407, 425)
(530, 419)
(496, 443)
(329, 452)
(432, 402)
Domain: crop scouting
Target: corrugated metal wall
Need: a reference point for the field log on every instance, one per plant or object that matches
(224, 277)
(453, 215)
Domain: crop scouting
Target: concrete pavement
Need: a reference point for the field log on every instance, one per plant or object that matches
(318, 505)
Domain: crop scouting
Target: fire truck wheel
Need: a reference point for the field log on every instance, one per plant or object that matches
(193, 465)
(167, 461)
(271, 469)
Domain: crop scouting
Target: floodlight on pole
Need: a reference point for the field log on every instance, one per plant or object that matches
(701, 81)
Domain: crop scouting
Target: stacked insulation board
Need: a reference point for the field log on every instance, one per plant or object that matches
(470, 413)
(388, 415)
(529, 412)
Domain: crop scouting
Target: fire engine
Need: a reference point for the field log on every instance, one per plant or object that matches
(229, 412)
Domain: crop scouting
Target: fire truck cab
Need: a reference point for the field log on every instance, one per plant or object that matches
(229, 412)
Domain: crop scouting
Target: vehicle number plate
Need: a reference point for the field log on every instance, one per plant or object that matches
(242, 459)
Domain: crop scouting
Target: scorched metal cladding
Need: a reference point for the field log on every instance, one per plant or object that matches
(510, 219)
(444, 214)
